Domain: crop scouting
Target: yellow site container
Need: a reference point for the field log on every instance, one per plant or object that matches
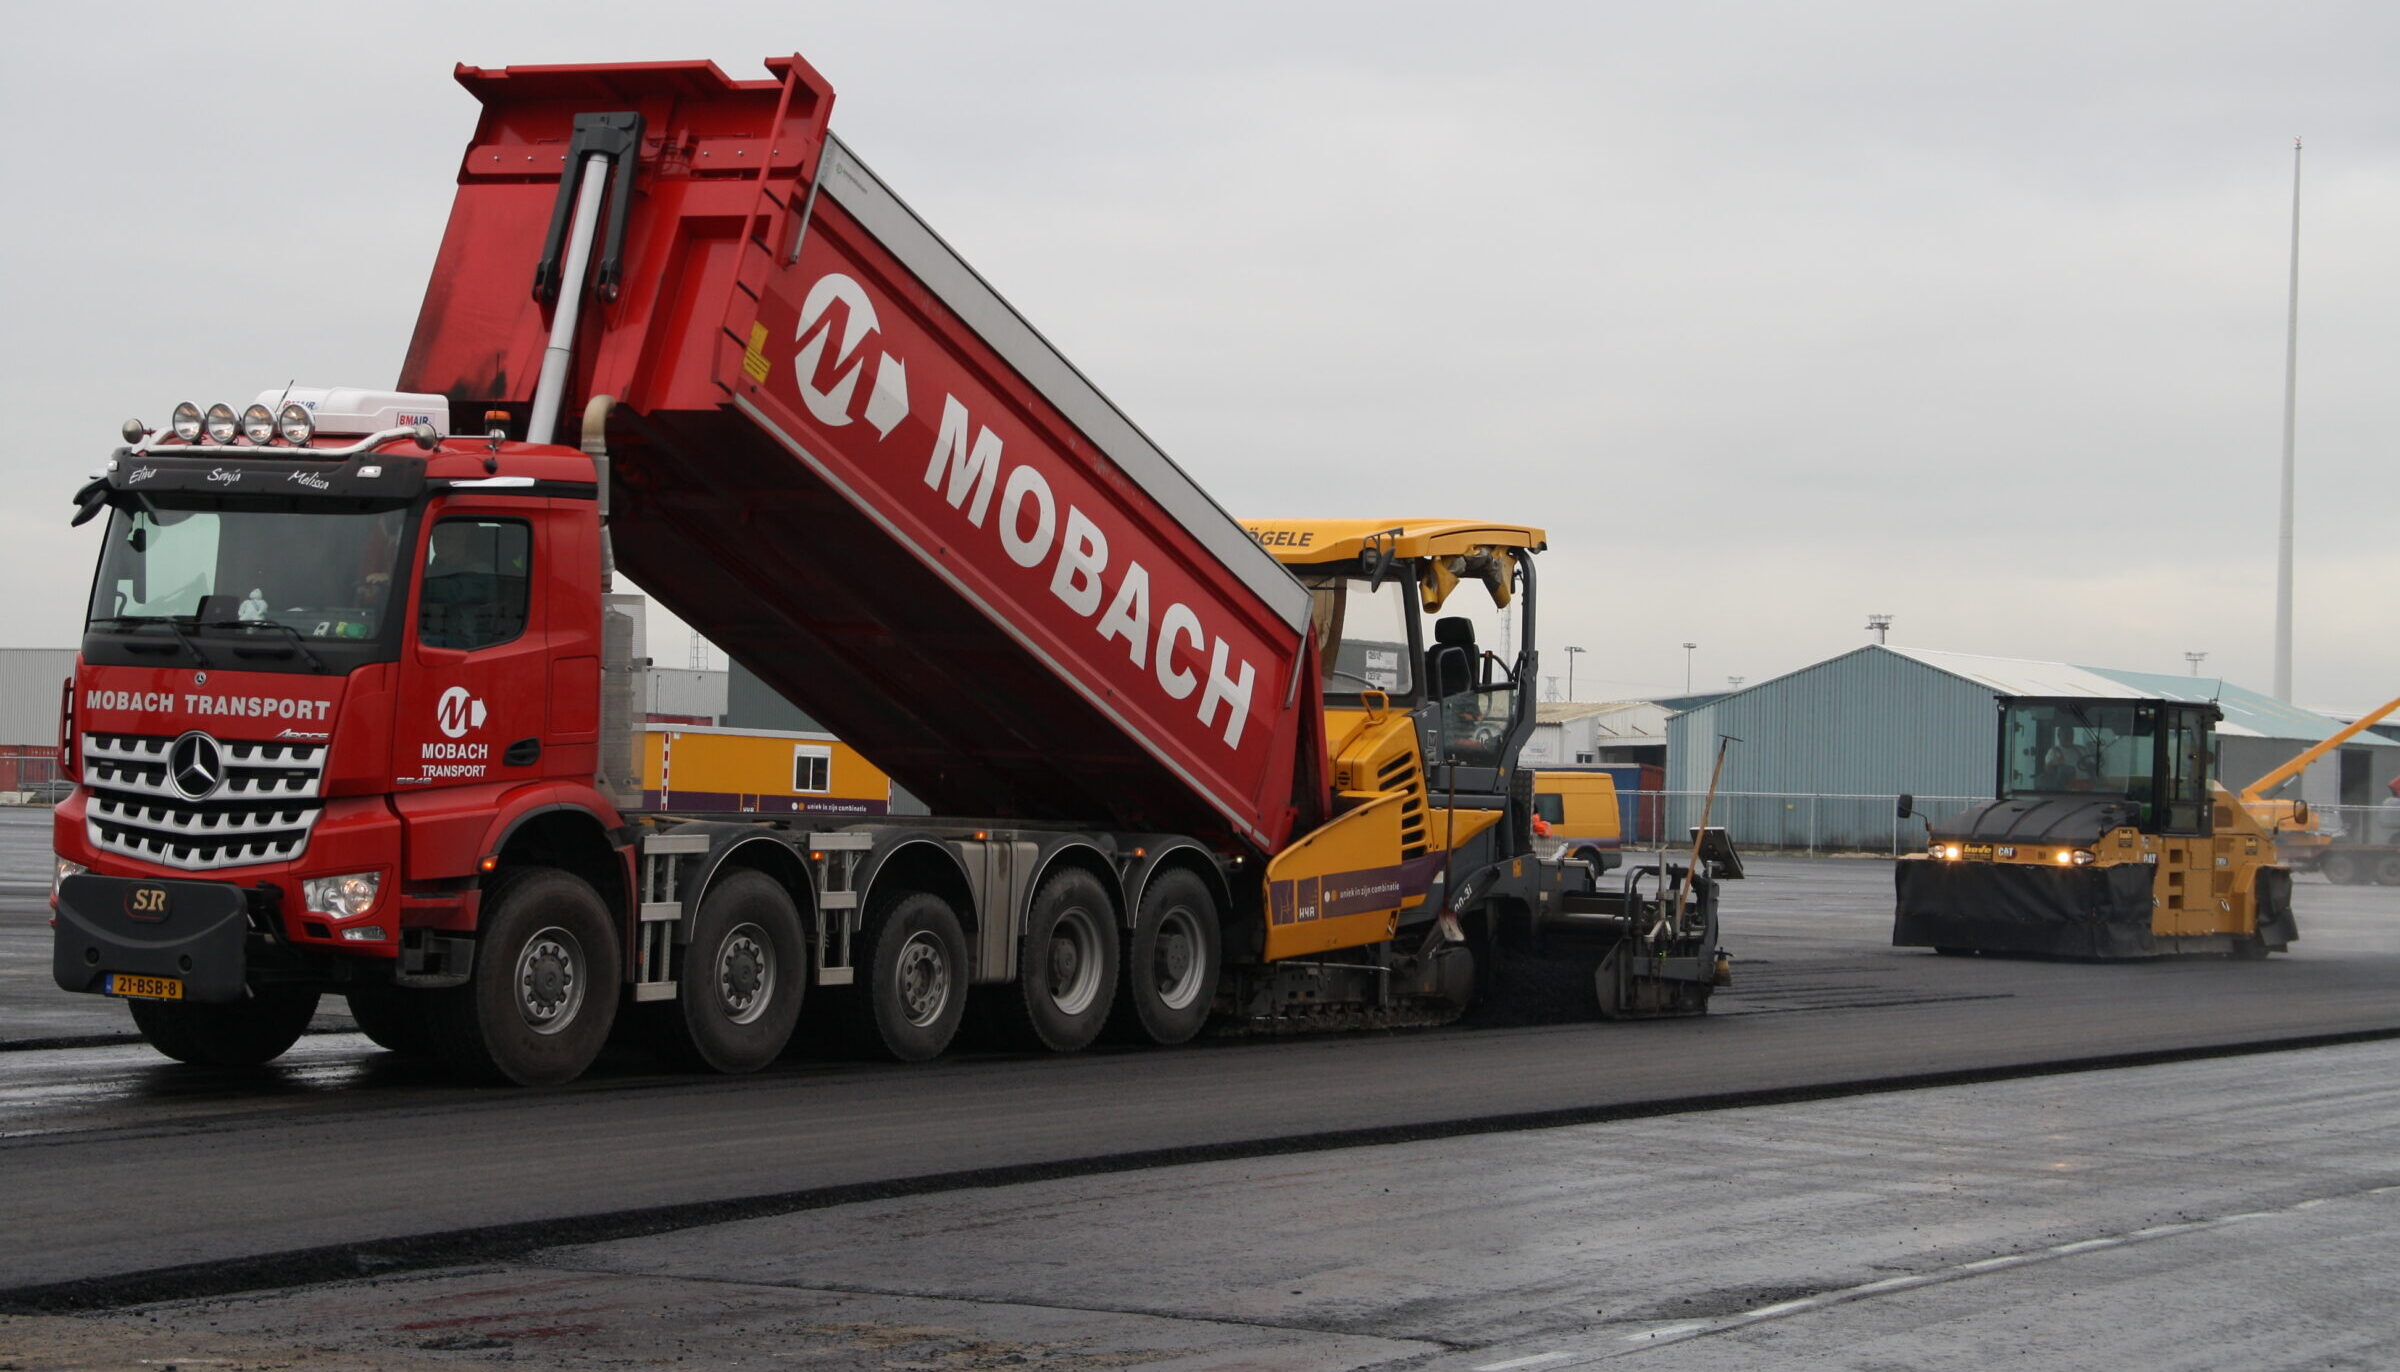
(758, 771)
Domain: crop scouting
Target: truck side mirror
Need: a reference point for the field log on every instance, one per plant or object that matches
(1907, 807)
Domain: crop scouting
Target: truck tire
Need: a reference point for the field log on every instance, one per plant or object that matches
(2342, 869)
(393, 1019)
(1168, 982)
(244, 1034)
(538, 1007)
(914, 960)
(743, 977)
(2387, 870)
(1067, 979)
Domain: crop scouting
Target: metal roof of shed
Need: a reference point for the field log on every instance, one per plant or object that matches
(2248, 713)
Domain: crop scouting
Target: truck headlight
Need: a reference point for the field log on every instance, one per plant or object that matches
(220, 423)
(296, 424)
(343, 897)
(2081, 857)
(258, 425)
(59, 876)
(1948, 852)
(186, 422)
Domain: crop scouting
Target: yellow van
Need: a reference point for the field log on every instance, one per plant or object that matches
(1581, 813)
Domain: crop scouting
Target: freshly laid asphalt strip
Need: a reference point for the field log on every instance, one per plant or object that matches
(494, 1243)
(123, 1169)
(2229, 1212)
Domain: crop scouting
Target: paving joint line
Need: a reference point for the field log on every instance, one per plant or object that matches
(507, 1242)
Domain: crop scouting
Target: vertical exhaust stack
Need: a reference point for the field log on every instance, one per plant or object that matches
(623, 655)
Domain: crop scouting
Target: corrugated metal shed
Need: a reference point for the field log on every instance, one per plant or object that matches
(1876, 721)
(1883, 720)
(30, 681)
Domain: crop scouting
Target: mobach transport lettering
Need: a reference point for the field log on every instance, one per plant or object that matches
(196, 703)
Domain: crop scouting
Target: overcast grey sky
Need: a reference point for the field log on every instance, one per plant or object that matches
(1773, 315)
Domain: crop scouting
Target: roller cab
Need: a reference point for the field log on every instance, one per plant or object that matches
(2108, 839)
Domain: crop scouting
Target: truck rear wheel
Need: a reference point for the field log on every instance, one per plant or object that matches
(915, 959)
(393, 1019)
(2387, 870)
(1172, 961)
(743, 977)
(544, 990)
(244, 1034)
(1067, 979)
(2342, 869)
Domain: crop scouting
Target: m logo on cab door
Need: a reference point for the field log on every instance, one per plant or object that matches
(457, 712)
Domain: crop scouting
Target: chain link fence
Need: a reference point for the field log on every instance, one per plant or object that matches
(1766, 821)
(31, 777)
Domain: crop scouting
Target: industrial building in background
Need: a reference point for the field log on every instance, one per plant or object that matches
(1824, 749)
(30, 680)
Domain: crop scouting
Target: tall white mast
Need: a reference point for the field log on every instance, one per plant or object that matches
(2291, 387)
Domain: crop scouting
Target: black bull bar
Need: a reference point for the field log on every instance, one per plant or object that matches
(193, 931)
(2001, 907)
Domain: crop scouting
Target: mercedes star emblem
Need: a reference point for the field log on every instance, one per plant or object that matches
(196, 765)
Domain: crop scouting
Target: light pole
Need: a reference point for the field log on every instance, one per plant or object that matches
(1572, 652)
(1879, 625)
(1687, 667)
(2195, 660)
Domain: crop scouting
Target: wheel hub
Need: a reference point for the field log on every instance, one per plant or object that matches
(924, 980)
(745, 973)
(1175, 960)
(549, 980)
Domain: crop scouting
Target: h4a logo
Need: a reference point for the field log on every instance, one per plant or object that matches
(457, 712)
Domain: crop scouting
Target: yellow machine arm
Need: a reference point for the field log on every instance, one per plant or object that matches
(2257, 790)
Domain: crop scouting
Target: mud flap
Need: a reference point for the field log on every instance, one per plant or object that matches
(2087, 912)
(2276, 927)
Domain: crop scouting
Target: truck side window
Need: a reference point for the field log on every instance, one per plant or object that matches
(1550, 806)
(478, 583)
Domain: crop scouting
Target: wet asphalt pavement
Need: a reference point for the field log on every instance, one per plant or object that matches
(1169, 1209)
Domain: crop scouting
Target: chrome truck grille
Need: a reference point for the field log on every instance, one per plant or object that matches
(199, 803)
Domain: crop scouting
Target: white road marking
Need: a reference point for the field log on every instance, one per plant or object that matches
(1692, 1329)
(1535, 1361)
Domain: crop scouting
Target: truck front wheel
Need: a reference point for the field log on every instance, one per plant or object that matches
(544, 990)
(1171, 962)
(240, 1035)
(743, 976)
(2342, 869)
(393, 1019)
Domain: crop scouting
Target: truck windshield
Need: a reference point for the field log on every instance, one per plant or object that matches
(1362, 634)
(2068, 747)
(320, 574)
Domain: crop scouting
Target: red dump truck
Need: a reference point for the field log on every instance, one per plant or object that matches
(354, 712)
